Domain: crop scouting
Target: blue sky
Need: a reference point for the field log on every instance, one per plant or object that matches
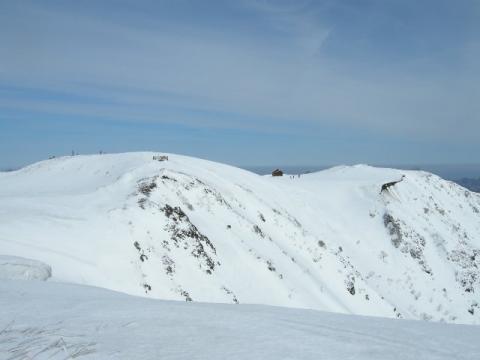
(242, 82)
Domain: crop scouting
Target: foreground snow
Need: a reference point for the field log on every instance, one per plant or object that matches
(190, 229)
(47, 320)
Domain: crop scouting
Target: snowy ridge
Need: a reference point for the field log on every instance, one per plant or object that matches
(197, 230)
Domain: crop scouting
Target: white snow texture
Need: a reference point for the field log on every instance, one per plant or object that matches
(51, 320)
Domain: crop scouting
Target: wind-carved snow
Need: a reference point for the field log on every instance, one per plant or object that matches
(17, 268)
(358, 239)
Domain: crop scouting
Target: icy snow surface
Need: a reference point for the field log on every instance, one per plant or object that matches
(195, 230)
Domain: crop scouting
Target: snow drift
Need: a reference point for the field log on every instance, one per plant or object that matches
(337, 240)
(17, 268)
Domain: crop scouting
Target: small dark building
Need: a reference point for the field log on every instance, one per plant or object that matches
(277, 172)
(160, 157)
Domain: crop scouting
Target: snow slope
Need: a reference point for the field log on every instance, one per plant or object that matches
(50, 320)
(197, 230)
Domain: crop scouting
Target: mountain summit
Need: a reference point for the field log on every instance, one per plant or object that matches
(350, 239)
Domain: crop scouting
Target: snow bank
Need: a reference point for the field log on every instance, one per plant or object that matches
(17, 268)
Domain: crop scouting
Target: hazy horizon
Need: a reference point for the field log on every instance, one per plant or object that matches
(447, 171)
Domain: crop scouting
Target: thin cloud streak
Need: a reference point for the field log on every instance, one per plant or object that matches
(288, 74)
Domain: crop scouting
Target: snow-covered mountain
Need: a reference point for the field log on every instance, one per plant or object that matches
(197, 230)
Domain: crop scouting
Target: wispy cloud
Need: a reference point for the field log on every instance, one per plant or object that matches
(270, 65)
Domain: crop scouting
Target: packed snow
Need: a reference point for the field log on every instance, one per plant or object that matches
(195, 230)
(47, 320)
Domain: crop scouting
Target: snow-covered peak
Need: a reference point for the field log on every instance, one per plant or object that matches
(352, 239)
